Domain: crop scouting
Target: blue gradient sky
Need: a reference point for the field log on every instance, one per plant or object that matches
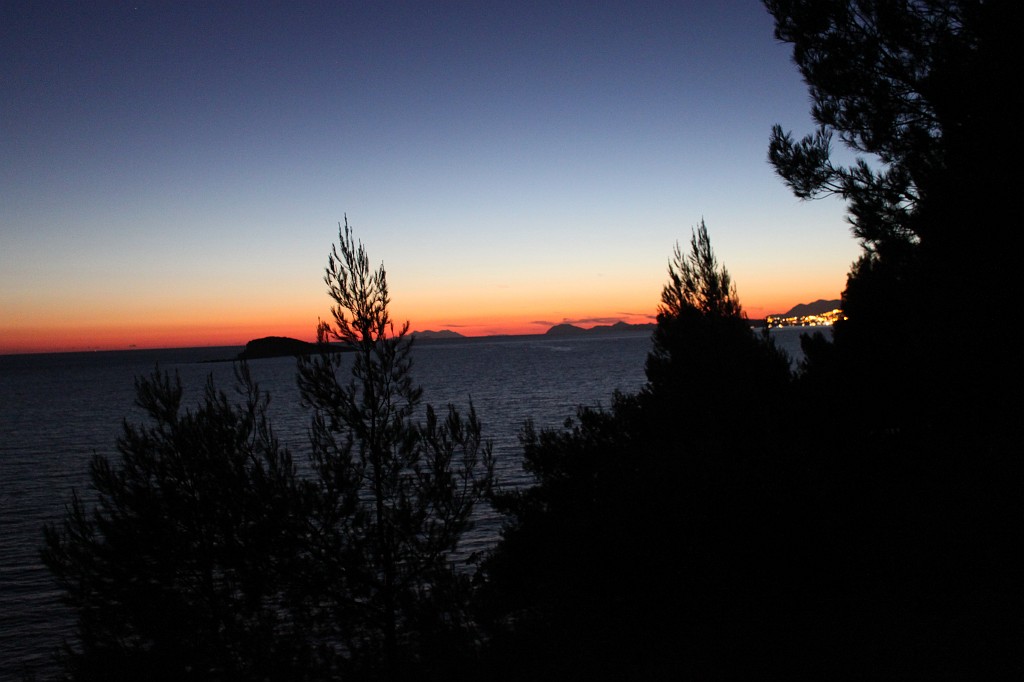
(173, 173)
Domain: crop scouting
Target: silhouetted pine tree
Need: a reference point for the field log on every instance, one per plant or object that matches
(707, 365)
(639, 552)
(189, 566)
(207, 558)
(394, 496)
(922, 480)
(917, 90)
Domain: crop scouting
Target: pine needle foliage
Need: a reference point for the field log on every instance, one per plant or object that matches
(396, 495)
(697, 282)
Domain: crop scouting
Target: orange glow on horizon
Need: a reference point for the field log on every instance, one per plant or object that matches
(176, 331)
(118, 337)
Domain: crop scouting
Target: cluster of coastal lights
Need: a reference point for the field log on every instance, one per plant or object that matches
(820, 320)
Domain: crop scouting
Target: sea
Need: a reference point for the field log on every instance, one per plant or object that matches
(57, 410)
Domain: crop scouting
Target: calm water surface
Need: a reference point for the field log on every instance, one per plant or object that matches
(57, 410)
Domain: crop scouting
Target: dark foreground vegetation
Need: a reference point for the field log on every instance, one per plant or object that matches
(687, 532)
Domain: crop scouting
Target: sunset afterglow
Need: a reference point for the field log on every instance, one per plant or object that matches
(174, 175)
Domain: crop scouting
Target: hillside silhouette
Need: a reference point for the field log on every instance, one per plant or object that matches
(566, 329)
(813, 308)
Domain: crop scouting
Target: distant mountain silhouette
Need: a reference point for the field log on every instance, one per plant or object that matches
(442, 334)
(818, 307)
(276, 347)
(573, 330)
(565, 330)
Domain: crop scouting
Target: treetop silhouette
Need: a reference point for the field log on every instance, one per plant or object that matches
(394, 495)
(695, 281)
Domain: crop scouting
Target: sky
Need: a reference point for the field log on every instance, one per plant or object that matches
(174, 173)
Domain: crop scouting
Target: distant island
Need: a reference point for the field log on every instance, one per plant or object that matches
(573, 330)
(427, 334)
(277, 347)
(284, 346)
